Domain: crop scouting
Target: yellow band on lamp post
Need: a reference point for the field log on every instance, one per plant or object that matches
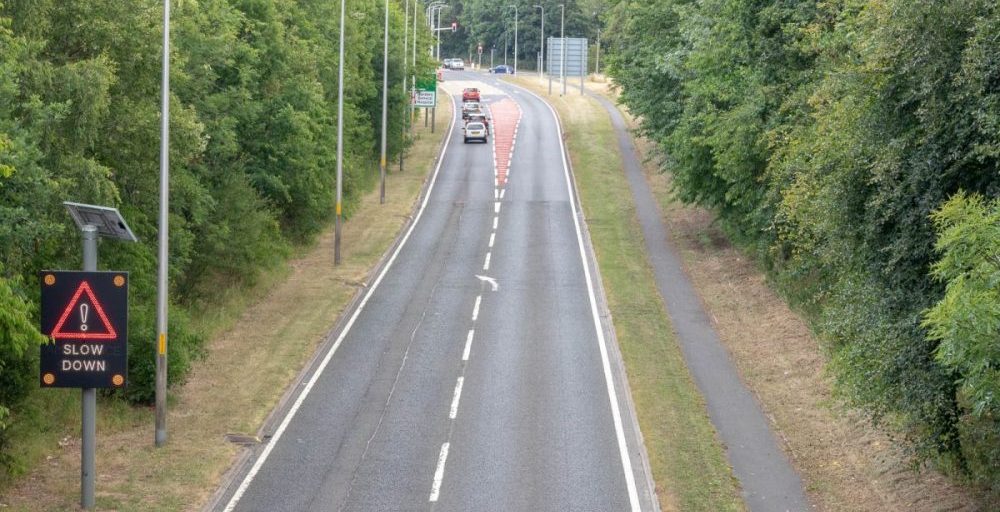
(162, 349)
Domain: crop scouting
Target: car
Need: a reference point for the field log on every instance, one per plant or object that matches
(457, 64)
(502, 69)
(446, 63)
(469, 107)
(475, 130)
(479, 117)
(470, 94)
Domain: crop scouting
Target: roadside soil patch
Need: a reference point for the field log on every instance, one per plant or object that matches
(247, 369)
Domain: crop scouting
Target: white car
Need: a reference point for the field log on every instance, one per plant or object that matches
(469, 107)
(475, 131)
(457, 64)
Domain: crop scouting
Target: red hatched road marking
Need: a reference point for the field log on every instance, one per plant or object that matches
(506, 118)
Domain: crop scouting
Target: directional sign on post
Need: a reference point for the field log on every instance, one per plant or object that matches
(425, 95)
(576, 56)
(85, 316)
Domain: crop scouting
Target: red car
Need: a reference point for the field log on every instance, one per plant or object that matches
(470, 94)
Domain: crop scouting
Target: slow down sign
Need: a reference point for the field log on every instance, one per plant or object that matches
(85, 316)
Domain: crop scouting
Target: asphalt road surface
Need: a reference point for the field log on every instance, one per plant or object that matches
(477, 373)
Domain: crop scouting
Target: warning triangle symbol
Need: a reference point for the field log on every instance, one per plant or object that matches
(84, 318)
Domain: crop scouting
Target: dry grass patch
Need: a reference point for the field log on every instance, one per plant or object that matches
(246, 371)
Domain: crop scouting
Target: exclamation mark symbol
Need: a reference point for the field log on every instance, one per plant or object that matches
(84, 311)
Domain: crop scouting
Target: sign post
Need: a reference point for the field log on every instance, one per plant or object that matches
(567, 56)
(85, 316)
(425, 96)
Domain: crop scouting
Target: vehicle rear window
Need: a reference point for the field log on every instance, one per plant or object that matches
(475, 126)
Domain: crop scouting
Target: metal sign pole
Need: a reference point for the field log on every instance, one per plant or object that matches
(88, 397)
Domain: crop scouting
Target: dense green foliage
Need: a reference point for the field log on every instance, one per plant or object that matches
(253, 149)
(826, 134)
(491, 24)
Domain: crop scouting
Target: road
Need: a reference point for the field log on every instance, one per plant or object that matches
(477, 372)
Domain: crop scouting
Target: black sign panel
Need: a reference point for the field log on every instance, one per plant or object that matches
(85, 317)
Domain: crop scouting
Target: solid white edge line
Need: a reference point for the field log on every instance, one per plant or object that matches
(439, 473)
(475, 309)
(468, 344)
(633, 493)
(343, 333)
(454, 400)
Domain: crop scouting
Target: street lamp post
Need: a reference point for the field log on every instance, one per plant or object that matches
(541, 53)
(515, 38)
(340, 139)
(562, 46)
(506, 44)
(385, 100)
(597, 65)
(436, 27)
(160, 432)
(406, 108)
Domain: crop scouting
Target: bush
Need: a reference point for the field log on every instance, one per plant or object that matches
(252, 156)
(825, 135)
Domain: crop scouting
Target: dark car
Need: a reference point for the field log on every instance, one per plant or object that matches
(503, 69)
(479, 117)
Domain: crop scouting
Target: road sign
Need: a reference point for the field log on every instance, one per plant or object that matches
(576, 56)
(425, 99)
(85, 316)
(425, 95)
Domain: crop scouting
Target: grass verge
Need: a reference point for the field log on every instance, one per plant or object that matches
(844, 462)
(687, 460)
(263, 336)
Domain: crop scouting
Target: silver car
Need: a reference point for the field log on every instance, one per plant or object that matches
(475, 131)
